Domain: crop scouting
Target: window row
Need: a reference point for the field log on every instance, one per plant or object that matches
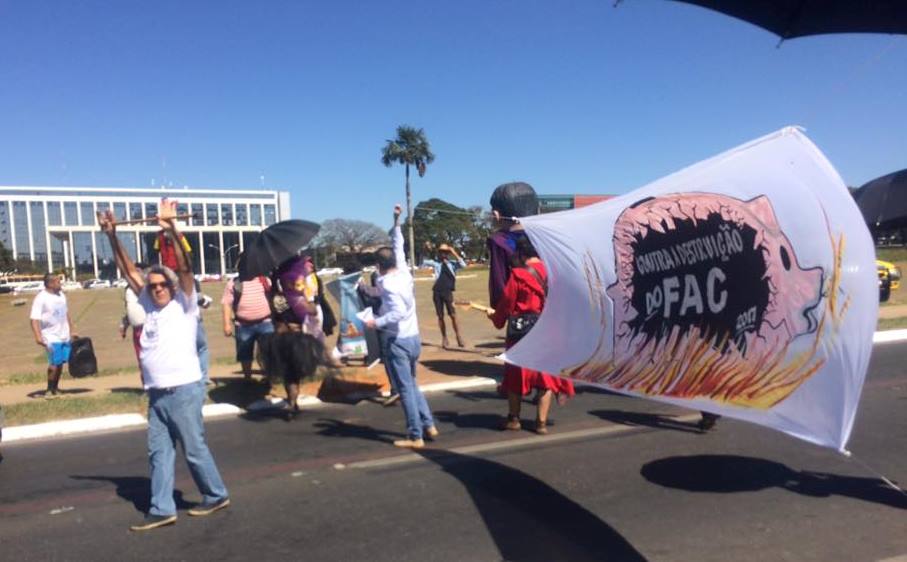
(91, 254)
(71, 213)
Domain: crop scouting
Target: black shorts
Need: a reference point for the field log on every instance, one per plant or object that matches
(442, 300)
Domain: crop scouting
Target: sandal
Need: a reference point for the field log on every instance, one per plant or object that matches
(512, 423)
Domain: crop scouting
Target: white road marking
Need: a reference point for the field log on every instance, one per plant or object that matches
(533, 441)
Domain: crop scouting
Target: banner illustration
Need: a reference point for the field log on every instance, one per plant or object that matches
(744, 285)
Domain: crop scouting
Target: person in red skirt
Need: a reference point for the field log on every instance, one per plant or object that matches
(519, 308)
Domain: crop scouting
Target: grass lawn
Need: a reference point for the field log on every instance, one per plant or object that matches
(96, 314)
(124, 401)
(892, 323)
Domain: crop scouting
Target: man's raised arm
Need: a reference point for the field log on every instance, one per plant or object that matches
(124, 262)
(397, 239)
(167, 220)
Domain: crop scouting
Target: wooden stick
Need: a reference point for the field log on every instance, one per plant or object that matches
(475, 306)
(150, 219)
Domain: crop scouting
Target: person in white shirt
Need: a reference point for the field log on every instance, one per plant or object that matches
(134, 317)
(171, 375)
(400, 336)
(52, 328)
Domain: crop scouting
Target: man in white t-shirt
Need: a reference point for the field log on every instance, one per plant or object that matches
(52, 328)
(172, 376)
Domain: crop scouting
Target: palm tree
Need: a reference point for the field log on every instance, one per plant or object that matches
(410, 148)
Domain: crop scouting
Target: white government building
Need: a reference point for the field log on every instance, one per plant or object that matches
(56, 229)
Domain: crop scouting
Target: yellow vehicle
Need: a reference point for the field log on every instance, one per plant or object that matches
(889, 278)
(891, 271)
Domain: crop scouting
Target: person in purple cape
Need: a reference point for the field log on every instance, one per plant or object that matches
(300, 289)
(509, 201)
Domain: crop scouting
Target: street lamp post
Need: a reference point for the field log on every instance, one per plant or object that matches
(224, 254)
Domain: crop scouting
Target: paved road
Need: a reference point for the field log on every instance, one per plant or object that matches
(618, 479)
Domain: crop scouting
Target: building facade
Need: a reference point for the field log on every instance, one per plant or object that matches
(554, 203)
(56, 229)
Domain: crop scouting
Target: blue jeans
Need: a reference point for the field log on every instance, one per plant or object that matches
(382, 355)
(175, 415)
(401, 356)
(201, 346)
(246, 335)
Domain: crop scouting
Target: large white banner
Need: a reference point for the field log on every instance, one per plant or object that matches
(744, 285)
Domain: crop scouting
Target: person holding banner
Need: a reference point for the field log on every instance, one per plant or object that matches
(519, 308)
(401, 340)
(509, 201)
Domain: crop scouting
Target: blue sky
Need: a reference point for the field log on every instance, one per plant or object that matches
(573, 97)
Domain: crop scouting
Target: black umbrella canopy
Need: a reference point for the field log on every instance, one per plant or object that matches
(275, 245)
(799, 18)
(883, 201)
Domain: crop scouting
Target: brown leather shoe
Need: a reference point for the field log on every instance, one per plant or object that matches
(541, 427)
(512, 423)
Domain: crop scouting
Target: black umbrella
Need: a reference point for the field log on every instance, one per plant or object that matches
(799, 18)
(883, 202)
(275, 245)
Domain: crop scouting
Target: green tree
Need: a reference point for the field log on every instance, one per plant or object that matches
(410, 148)
(481, 228)
(6, 258)
(439, 222)
(345, 235)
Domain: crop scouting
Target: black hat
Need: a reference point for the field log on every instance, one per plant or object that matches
(515, 199)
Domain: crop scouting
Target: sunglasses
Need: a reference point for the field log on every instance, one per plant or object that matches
(162, 285)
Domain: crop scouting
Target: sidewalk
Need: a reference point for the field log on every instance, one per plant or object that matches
(353, 383)
(893, 311)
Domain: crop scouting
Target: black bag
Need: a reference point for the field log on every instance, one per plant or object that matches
(519, 326)
(82, 361)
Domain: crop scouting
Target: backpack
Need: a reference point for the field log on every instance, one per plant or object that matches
(237, 290)
(82, 360)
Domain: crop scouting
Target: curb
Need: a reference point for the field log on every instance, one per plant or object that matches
(64, 428)
(119, 421)
(71, 427)
(889, 336)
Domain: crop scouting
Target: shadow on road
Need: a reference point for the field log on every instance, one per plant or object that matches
(585, 388)
(136, 489)
(340, 428)
(62, 392)
(464, 421)
(527, 518)
(476, 395)
(730, 473)
(127, 390)
(463, 368)
(658, 421)
(491, 344)
(238, 392)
